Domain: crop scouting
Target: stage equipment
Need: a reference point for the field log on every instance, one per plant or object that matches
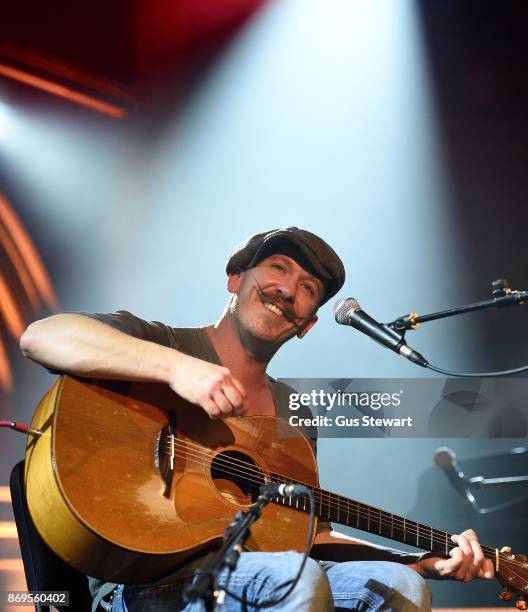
(392, 335)
(445, 459)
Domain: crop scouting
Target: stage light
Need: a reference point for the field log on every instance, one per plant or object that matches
(62, 91)
(25, 286)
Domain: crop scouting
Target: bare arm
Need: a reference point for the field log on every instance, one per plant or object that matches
(79, 345)
(330, 545)
(465, 563)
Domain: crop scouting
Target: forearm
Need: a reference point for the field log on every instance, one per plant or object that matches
(79, 345)
(334, 546)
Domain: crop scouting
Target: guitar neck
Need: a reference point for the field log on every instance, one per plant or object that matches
(339, 509)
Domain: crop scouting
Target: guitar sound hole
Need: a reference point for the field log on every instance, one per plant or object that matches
(237, 477)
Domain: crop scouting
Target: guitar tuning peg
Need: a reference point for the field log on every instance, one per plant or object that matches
(521, 605)
(506, 595)
(506, 550)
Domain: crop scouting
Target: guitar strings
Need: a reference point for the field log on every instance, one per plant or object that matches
(489, 551)
(441, 541)
(492, 556)
(249, 470)
(503, 556)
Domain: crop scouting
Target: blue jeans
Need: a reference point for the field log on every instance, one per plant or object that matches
(263, 577)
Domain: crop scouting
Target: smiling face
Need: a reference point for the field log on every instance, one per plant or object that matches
(275, 300)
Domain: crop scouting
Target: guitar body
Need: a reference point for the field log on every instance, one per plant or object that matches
(127, 480)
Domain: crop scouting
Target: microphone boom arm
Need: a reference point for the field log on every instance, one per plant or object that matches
(503, 296)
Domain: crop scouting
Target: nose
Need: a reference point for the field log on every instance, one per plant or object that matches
(287, 289)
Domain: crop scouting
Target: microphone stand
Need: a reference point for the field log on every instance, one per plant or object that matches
(479, 482)
(205, 584)
(467, 484)
(502, 296)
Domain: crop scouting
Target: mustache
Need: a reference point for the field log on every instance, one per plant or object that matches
(287, 309)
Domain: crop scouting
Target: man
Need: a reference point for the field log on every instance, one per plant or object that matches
(277, 280)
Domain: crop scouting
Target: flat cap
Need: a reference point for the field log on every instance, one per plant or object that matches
(310, 251)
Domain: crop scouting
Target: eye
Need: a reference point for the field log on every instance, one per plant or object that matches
(309, 288)
(278, 266)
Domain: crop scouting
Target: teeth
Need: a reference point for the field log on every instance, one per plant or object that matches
(273, 308)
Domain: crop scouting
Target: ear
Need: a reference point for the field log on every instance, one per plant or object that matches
(233, 281)
(308, 326)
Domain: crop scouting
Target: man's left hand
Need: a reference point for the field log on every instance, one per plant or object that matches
(466, 561)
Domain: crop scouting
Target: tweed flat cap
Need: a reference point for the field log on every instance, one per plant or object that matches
(310, 251)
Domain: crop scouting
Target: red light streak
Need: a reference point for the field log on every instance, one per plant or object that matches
(62, 91)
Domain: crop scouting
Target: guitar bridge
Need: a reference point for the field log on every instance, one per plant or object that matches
(166, 453)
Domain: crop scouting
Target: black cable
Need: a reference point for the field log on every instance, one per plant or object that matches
(301, 567)
(478, 374)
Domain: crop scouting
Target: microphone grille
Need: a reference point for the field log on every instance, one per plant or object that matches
(343, 307)
(444, 457)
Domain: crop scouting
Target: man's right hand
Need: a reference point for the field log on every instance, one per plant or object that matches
(210, 386)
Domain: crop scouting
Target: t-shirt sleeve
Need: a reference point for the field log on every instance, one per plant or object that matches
(130, 324)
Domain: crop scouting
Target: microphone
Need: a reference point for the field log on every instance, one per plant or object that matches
(445, 459)
(283, 490)
(347, 311)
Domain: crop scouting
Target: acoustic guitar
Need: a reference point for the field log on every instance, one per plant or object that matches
(124, 481)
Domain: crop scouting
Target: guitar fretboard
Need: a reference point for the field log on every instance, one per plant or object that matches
(339, 509)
